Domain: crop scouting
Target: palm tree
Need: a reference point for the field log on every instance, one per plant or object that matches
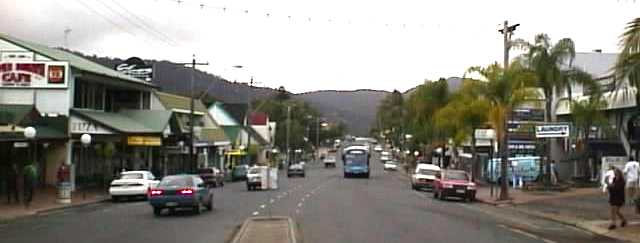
(587, 113)
(505, 90)
(628, 63)
(548, 62)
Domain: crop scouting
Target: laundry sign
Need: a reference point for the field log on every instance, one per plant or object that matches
(552, 131)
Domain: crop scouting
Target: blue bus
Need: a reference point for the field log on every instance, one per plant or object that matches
(355, 162)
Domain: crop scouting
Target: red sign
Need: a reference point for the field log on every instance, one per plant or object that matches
(56, 74)
(20, 74)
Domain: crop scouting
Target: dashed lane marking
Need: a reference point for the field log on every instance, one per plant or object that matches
(308, 195)
(255, 213)
(300, 205)
(262, 206)
(297, 211)
(272, 200)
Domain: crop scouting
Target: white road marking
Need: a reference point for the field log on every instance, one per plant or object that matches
(297, 211)
(516, 221)
(272, 200)
(302, 199)
(300, 205)
(255, 213)
(308, 195)
(262, 206)
(526, 234)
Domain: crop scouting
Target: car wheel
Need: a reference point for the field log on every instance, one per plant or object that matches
(214, 184)
(115, 198)
(222, 183)
(248, 188)
(172, 210)
(209, 205)
(157, 211)
(303, 175)
(435, 194)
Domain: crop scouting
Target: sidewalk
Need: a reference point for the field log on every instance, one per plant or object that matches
(45, 200)
(585, 208)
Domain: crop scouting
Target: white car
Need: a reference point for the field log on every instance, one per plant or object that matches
(424, 176)
(377, 148)
(330, 161)
(390, 165)
(132, 184)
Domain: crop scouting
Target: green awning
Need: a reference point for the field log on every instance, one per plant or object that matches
(129, 121)
(232, 132)
(17, 114)
(46, 128)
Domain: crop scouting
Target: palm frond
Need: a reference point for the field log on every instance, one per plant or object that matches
(563, 49)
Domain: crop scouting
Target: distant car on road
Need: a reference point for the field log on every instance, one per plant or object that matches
(212, 176)
(132, 184)
(385, 156)
(377, 148)
(424, 176)
(390, 165)
(296, 170)
(181, 191)
(254, 177)
(239, 173)
(454, 183)
(330, 161)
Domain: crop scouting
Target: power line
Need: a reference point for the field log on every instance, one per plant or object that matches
(105, 18)
(130, 21)
(149, 26)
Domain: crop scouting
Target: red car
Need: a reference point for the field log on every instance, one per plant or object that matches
(454, 183)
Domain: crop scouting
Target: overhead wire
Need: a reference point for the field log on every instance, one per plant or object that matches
(146, 24)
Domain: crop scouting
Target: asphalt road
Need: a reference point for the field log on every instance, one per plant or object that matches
(326, 206)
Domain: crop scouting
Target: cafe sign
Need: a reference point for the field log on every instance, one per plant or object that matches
(144, 141)
(33, 74)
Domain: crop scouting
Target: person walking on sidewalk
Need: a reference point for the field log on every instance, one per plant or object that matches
(615, 186)
(631, 170)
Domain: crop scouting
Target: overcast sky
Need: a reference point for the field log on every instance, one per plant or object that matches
(308, 45)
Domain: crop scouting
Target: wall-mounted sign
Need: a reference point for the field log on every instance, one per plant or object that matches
(144, 141)
(137, 68)
(33, 74)
(80, 126)
(20, 144)
(552, 131)
(16, 56)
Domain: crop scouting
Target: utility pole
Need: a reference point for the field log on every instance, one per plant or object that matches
(288, 131)
(506, 31)
(67, 31)
(247, 118)
(192, 158)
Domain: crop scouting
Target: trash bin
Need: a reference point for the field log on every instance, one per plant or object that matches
(64, 193)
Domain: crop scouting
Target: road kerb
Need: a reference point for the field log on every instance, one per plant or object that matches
(244, 234)
(578, 223)
(70, 206)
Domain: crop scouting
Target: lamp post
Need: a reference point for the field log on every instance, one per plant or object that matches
(30, 134)
(85, 139)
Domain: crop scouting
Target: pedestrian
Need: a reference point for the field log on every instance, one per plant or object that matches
(631, 170)
(12, 184)
(30, 178)
(615, 186)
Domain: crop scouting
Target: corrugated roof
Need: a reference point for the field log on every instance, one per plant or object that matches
(595, 63)
(221, 116)
(74, 60)
(172, 101)
(130, 121)
(213, 135)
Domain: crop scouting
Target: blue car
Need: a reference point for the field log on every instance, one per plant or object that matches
(180, 191)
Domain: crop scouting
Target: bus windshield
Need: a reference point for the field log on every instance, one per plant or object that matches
(352, 159)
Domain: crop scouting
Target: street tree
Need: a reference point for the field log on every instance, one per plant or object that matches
(627, 68)
(586, 114)
(504, 90)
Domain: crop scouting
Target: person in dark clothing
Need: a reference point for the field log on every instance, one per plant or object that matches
(615, 186)
(12, 184)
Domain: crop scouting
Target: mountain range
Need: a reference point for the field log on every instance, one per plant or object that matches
(357, 109)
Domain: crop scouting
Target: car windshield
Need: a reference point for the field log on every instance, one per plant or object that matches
(132, 176)
(456, 175)
(355, 159)
(176, 181)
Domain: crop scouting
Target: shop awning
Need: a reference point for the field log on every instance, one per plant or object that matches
(17, 114)
(235, 152)
(129, 121)
(213, 135)
(232, 132)
(14, 118)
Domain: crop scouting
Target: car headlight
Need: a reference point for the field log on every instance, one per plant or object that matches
(447, 185)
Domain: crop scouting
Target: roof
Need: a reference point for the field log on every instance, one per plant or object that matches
(46, 128)
(74, 60)
(221, 116)
(255, 135)
(16, 114)
(595, 63)
(258, 118)
(213, 135)
(172, 101)
(237, 111)
(232, 131)
(129, 121)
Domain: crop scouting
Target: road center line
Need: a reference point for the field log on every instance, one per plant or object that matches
(526, 233)
(300, 205)
(255, 213)
(262, 206)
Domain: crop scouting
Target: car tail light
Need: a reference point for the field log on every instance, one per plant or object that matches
(155, 192)
(187, 191)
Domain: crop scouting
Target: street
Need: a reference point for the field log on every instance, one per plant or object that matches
(327, 208)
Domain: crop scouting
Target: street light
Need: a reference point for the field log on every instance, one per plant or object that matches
(416, 153)
(85, 139)
(30, 134)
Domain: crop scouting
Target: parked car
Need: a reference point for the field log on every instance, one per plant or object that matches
(454, 183)
(330, 161)
(377, 148)
(385, 156)
(296, 170)
(212, 176)
(239, 173)
(390, 165)
(132, 184)
(424, 176)
(181, 191)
